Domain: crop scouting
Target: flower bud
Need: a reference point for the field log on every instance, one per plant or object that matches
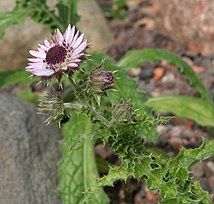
(101, 78)
(123, 112)
(51, 106)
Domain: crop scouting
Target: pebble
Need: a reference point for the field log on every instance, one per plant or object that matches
(205, 185)
(169, 77)
(134, 72)
(211, 183)
(197, 170)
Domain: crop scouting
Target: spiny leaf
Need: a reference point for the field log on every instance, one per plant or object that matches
(188, 157)
(186, 107)
(35, 9)
(77, 168)
(125, 89)
(41, 13)
(114, 174)
(136, 57)
(170, 177)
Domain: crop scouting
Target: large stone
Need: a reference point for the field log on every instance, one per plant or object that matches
(19, 39)
(28, 155)
(188, 22)
(94, 25)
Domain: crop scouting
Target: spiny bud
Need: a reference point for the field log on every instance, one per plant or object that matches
(51, 106)
(123, 112)
(101, 78)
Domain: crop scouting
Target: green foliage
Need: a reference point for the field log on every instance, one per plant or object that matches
(41, 13)
(126, 90)
(16, 16)
(169, 176)
(28, 95)
(35, 9)
(186, 107)
(77, 168)
(68, 12)
(188, 157)
(136, 57)
(117, 10)
(18, 76)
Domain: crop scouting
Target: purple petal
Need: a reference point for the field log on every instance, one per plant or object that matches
(69, 34)
(73, 65)
(78, 41)
(76, 60)
(42, 71)
(35, 59)
(43, 47)
(37, 54)
(59, 36)
(36, 64)
(75, 38)
(77, 56)
(80, 48)
(47, 43)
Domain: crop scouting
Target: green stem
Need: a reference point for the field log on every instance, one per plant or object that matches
(74, 105)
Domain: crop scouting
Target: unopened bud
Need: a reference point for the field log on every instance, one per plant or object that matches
(124, 112)
(101, 78)
(51, 106)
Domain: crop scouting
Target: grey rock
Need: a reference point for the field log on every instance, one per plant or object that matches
(28, 154)
(94, 25)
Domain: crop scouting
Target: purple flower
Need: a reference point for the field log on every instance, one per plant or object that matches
(60, 54)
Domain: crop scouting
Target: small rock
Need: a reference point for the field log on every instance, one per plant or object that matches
(209, 168)
(211, 183)
(103, 151)
(135, 72)
(158, 74)
(210, 164)
(198, 69)
(147, 71)
(169, 77)
(197, 170)
(205, 185)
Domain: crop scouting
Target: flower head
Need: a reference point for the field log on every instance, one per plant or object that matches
(59, 54)
(123, 112)
(101, 78)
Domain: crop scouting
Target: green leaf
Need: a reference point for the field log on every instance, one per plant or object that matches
(186, 107)
(170, 176)
(189, 157)
(114, 174)
(68, 12)
(18, 76)
(37, 10)
(136, 57)
(77, 168)
(41, 13)
(126, 89)
(16, 16)
(28, 95)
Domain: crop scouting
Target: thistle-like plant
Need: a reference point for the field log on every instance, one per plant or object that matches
(101, 106)
(94, 100)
